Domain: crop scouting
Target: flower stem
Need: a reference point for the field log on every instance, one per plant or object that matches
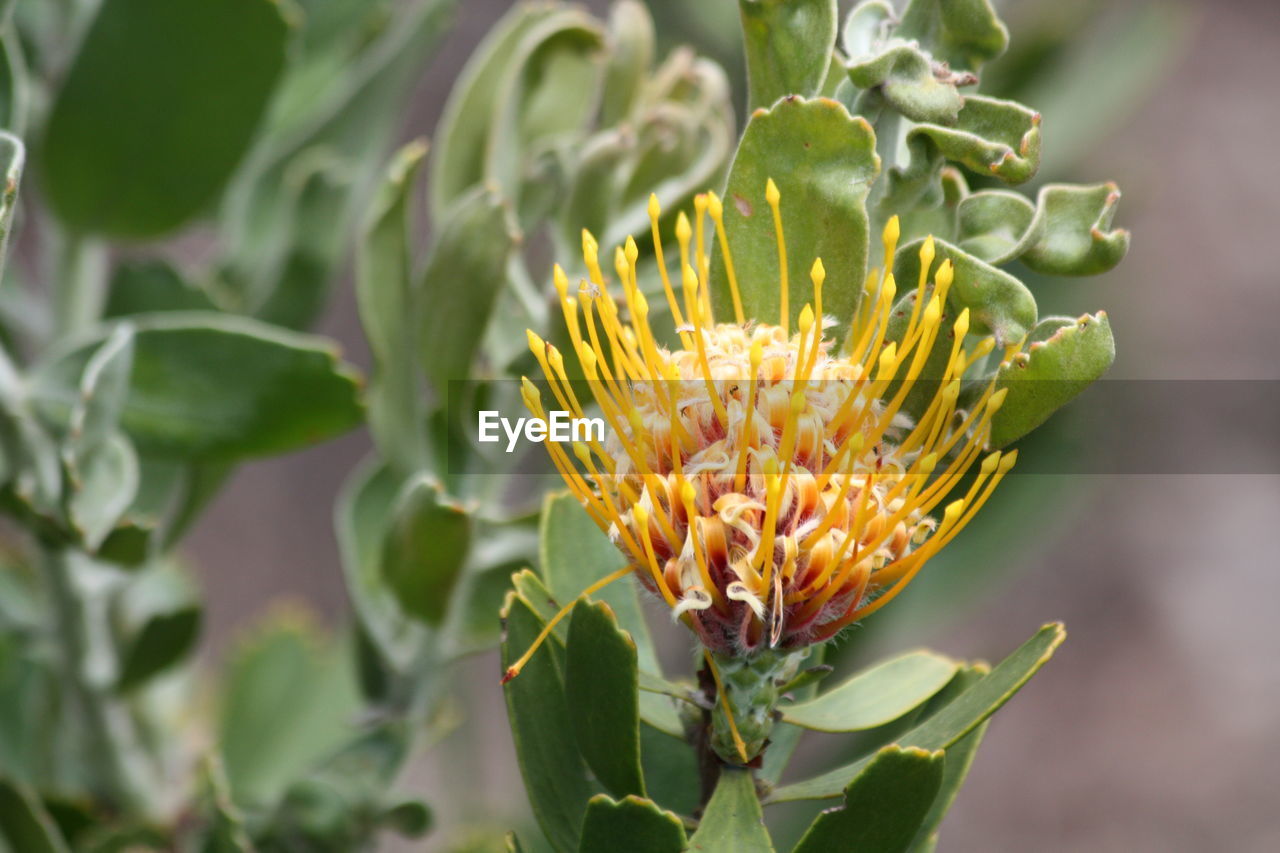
(80, 284)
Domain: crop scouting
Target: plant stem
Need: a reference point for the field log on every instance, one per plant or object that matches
(80, 284)
(117, 779)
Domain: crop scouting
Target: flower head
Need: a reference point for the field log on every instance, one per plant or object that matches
(765, 481)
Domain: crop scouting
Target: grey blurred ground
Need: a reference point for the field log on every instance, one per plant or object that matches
(1157, 726)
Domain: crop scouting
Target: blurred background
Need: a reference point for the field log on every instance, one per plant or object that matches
(1157, 725)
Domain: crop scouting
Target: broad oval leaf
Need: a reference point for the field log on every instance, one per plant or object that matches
(555, 777)
(875, 696)
(1072, 234)
(884, 805)
(990, 137)
(138, 140)
(216, 386)
(633, 823)
(788, 45)
(600, 686)
(823, 161)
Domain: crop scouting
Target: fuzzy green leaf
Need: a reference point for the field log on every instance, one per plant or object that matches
(884, 805)
(555, 777)
(462, 135)
(1071, 233)
(952, 722)
(1064, 357)
(635, 823)
(998, 303)
(218, 386)
(630, 42)
(159, 625)
(465, 271)
(823, 161)
(875, 696)
(384, 294)
(990, 137)
(991, 225)
(103, 479)
(425, 548)
(960, 757)
(362, 516)
(289, 700)
(962, 33)
(600, 687)
(909, 82)
(574, 554)
(138, 141)
(733, 821)
(788, 45)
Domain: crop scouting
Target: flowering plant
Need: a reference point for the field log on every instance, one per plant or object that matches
(810, 337)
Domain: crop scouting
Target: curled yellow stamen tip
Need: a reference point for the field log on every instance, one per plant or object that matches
(655, 209)
(561, 280)
(818, 273)
(590, 248)
(631, 249)
(961, 326)
(536, 344)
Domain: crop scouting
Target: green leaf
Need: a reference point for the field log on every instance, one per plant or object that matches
(223, 387)
(138, 141)
(600, 688)
(907, 79)
(960, 757)
(165, 639)
(953, 721)
(635, 823)
(733, 821)
(875, 696)
(998, 303)
(24, 823)
(497, 552)
(385, 295)
(629, 38)
(12, 159)
(144, 286)
(1064, 357)
(1071, 233)
(226, 833)
(103, 480)
(462, 135)
(884, 805)
(670, 770)
(823, 162)
(573, 554)
(990, 137)
(991, 225)
(962, 33)
(465, 271)
(555, 777)
(156, 623)
(290, 700)
(425, 548)
(362, 517)
(546, 98)
(104, 388)
(788, 45)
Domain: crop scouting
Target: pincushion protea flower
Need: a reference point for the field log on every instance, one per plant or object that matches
(763, 481)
